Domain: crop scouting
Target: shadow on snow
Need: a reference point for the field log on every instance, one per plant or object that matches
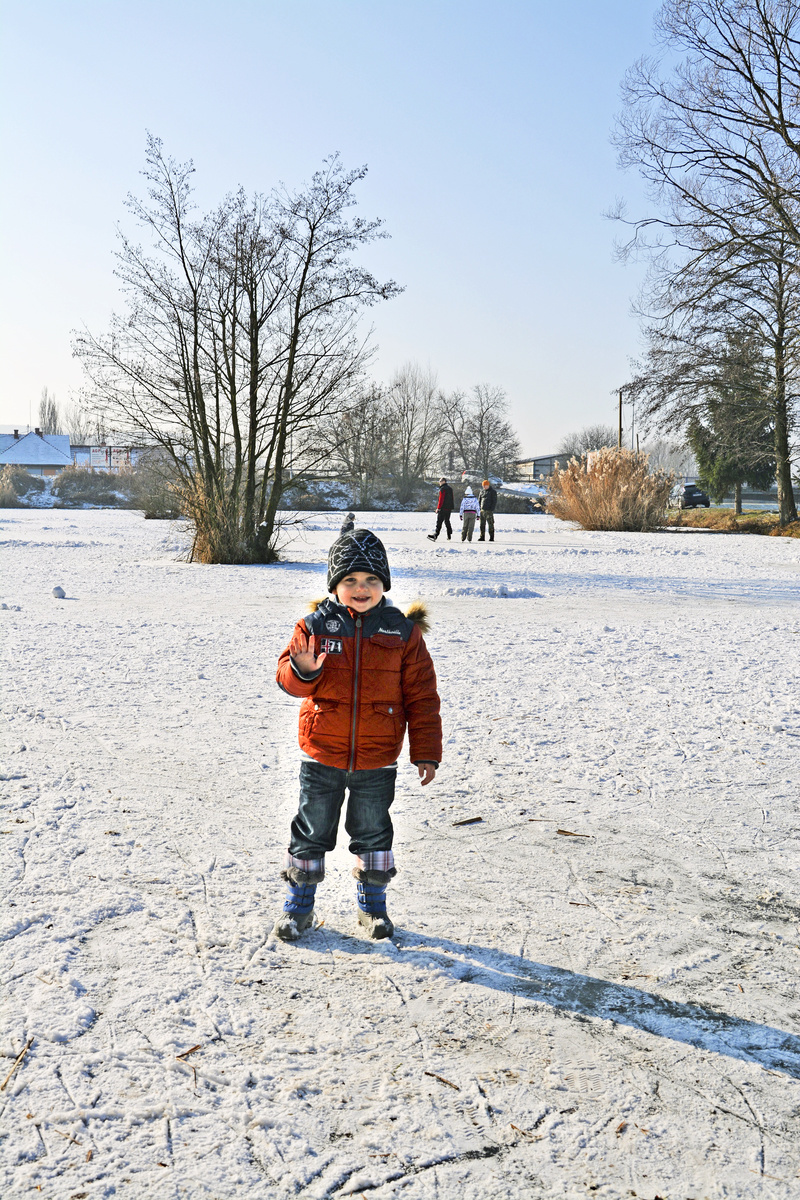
(695, 1025)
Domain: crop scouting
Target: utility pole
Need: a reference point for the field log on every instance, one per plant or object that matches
(619, 436)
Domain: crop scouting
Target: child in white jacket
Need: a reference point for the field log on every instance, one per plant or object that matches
(468, 512)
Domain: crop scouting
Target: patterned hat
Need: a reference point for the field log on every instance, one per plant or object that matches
(357, 551)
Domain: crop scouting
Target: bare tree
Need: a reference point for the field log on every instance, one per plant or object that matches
(720, 123)
(49, 413)
(730, 312)
(240, 334)
(477, 432)
(495, 443)
(716, 137)
(671, 455)
(415, 418)
(591, 437)
(361, 442)
(84, 428)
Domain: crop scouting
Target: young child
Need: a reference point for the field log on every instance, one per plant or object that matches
(468, 512)
(348, 524)
(364, 673)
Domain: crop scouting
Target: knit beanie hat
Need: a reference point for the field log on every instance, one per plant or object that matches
(357, 551)
(468, 490)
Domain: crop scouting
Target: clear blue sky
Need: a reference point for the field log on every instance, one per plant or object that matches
(485, 125)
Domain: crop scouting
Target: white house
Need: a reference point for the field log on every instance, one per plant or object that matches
(37, 453)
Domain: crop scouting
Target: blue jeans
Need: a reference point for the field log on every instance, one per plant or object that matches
(367, 817)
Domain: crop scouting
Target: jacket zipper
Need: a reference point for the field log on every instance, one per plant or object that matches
(355, 695)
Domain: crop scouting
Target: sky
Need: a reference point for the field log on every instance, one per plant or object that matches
(485, 127)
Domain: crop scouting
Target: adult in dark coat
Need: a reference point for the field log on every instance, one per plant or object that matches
(444, 507)
(488, 499)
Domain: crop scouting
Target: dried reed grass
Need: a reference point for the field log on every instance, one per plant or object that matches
(221, 535)
(15, 482)
(8, 496)
(726, 521)
(790, 530)
(612, 490)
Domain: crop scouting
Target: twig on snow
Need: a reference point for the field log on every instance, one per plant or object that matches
(68, 1136)
(18, 1063)
(186, 1053)
(441, 1079)
(532, 1137)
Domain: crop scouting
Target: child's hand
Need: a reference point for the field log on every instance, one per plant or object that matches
(301, 650)
(427, 772)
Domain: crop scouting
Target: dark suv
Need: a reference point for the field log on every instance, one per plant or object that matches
(688, 495)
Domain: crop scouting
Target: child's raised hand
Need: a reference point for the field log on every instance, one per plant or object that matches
(427, 772)
(302, 651)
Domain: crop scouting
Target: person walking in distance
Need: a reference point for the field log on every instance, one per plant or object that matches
(444, 508)
(468, 512)
(488, 499)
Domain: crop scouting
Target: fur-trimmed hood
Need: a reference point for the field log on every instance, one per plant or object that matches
(416, 612)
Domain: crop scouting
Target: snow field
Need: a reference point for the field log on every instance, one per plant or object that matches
(592, 990)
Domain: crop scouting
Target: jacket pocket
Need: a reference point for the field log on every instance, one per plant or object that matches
(391, 711)
(316, 716)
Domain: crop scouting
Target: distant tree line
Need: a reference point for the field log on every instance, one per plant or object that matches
(395, 436)
(591, 437)
(712, 128)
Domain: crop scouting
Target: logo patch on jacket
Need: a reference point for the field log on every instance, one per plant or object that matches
(328, 645)
(392, 632)
(333, 625)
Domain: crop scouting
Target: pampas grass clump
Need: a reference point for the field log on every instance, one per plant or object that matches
(610, 489)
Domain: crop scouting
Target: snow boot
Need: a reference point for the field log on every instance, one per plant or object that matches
(298, 908)
(372, 912)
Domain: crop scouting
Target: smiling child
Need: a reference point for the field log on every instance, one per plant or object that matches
(365, 674)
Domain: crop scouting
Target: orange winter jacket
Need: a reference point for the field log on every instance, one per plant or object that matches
(377, 679)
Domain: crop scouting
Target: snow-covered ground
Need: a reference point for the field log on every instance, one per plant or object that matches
(592, 991)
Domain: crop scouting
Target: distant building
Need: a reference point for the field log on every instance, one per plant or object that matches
(37, 453)
(49, 453)
(104, 458)
(536, 468)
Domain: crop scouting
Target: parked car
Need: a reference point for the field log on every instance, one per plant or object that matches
(688, 495)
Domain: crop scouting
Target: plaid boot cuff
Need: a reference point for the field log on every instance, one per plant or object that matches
(375, 860)
(313, 867)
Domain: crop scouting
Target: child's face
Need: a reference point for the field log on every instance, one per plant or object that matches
(359, 591)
